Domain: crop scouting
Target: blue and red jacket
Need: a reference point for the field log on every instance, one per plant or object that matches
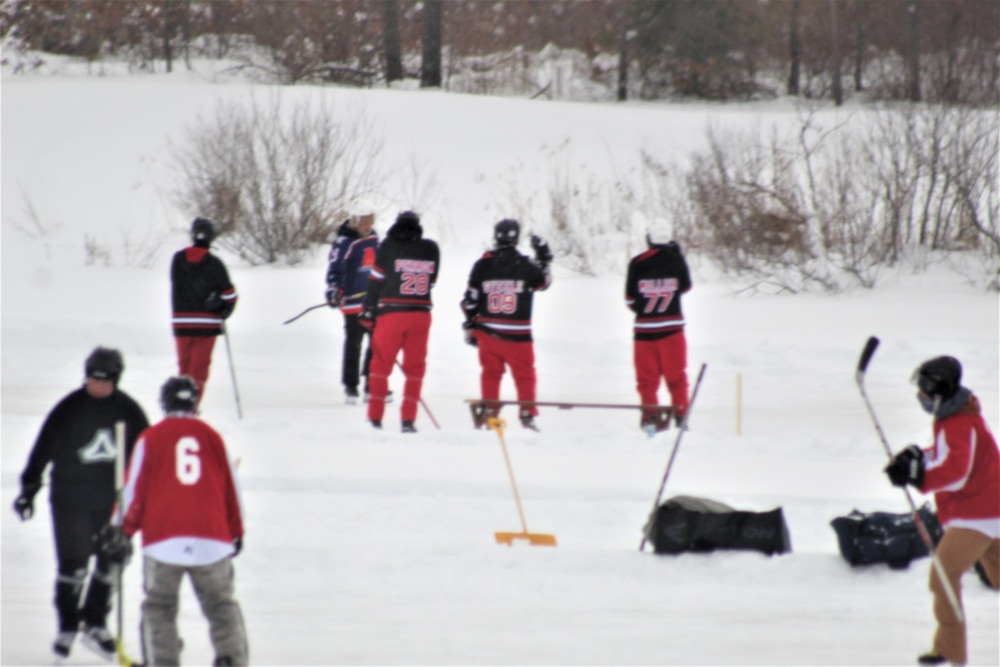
(351, 260)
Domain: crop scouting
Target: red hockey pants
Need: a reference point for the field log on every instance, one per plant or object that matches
(665, 358)
(194, 358)
(407, 331)
(494, 353)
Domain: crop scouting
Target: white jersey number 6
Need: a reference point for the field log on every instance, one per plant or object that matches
(188, 463)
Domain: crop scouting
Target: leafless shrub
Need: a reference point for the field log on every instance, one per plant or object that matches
(754, 212)
(586, 217)
(94, 252)
(848, 200)
(271, 179)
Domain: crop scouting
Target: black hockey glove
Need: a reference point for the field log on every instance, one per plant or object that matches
(907, 467)
(24, 504)
(114, 544)
(238, 545)
(467, 328)
(216, 304)
(543, 254)
(367, 319)
(334, 296)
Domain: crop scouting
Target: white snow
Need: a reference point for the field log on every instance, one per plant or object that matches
(376, 548)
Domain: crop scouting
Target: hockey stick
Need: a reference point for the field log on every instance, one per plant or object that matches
(426, 409)
(232, 370)
(123, 659)
(677, 444)
(859, 377)
(319, 305)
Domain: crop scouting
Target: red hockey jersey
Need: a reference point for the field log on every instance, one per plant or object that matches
(181, 493)
(962, 468)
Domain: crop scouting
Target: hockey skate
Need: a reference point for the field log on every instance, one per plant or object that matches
(932, 657)
(351, 395)
(100, 641)
(63, 643)
(528, 420)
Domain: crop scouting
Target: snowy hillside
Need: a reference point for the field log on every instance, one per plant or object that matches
(377, 548)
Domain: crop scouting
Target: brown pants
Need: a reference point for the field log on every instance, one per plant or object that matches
(959, 550)
(214, 587)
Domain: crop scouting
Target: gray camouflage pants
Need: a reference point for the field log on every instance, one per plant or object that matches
(214, 588)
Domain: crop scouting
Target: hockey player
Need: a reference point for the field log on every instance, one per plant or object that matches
(203, 298)
(497, 305)
(78, 440)
(350, 263)
(962, 469)
(654, 284)
(181, 493)
(398, 311)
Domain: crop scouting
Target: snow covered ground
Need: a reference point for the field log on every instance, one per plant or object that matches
(377, 547)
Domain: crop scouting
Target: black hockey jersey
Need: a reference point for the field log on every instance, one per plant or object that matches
(78, 439)
(653, 285)
(404, 273)
(201, 293)
(500, 294)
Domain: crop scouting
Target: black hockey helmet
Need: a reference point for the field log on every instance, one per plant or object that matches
(104, 364)
(939, 377)
(407, 227)
(202, 232)
(507, 232)
(179, 394)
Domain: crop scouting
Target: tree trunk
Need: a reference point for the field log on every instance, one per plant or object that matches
(624, 10)
(838, 84)
(794, 49)
(914, 54)
(390, 38)
(430, 68)
(951, 84)
(859, 48)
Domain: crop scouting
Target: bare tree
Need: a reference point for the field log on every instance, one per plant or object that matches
(624, 14)
(391, 41)
(837, 80)
(430, 68)
(273, 180)
(913, 55)
(794, 48)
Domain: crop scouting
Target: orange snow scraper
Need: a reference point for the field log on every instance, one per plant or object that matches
(534, 539)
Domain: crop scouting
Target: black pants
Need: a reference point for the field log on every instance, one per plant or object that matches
(76, 541)
(354, 335)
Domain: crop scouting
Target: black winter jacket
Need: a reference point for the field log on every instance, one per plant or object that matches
(78, 439)
(202, 294)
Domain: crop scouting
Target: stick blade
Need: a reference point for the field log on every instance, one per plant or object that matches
(866, 354)
(534, 539)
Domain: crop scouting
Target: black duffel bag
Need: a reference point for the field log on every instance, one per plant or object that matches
(884, 537)
(688, 523)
